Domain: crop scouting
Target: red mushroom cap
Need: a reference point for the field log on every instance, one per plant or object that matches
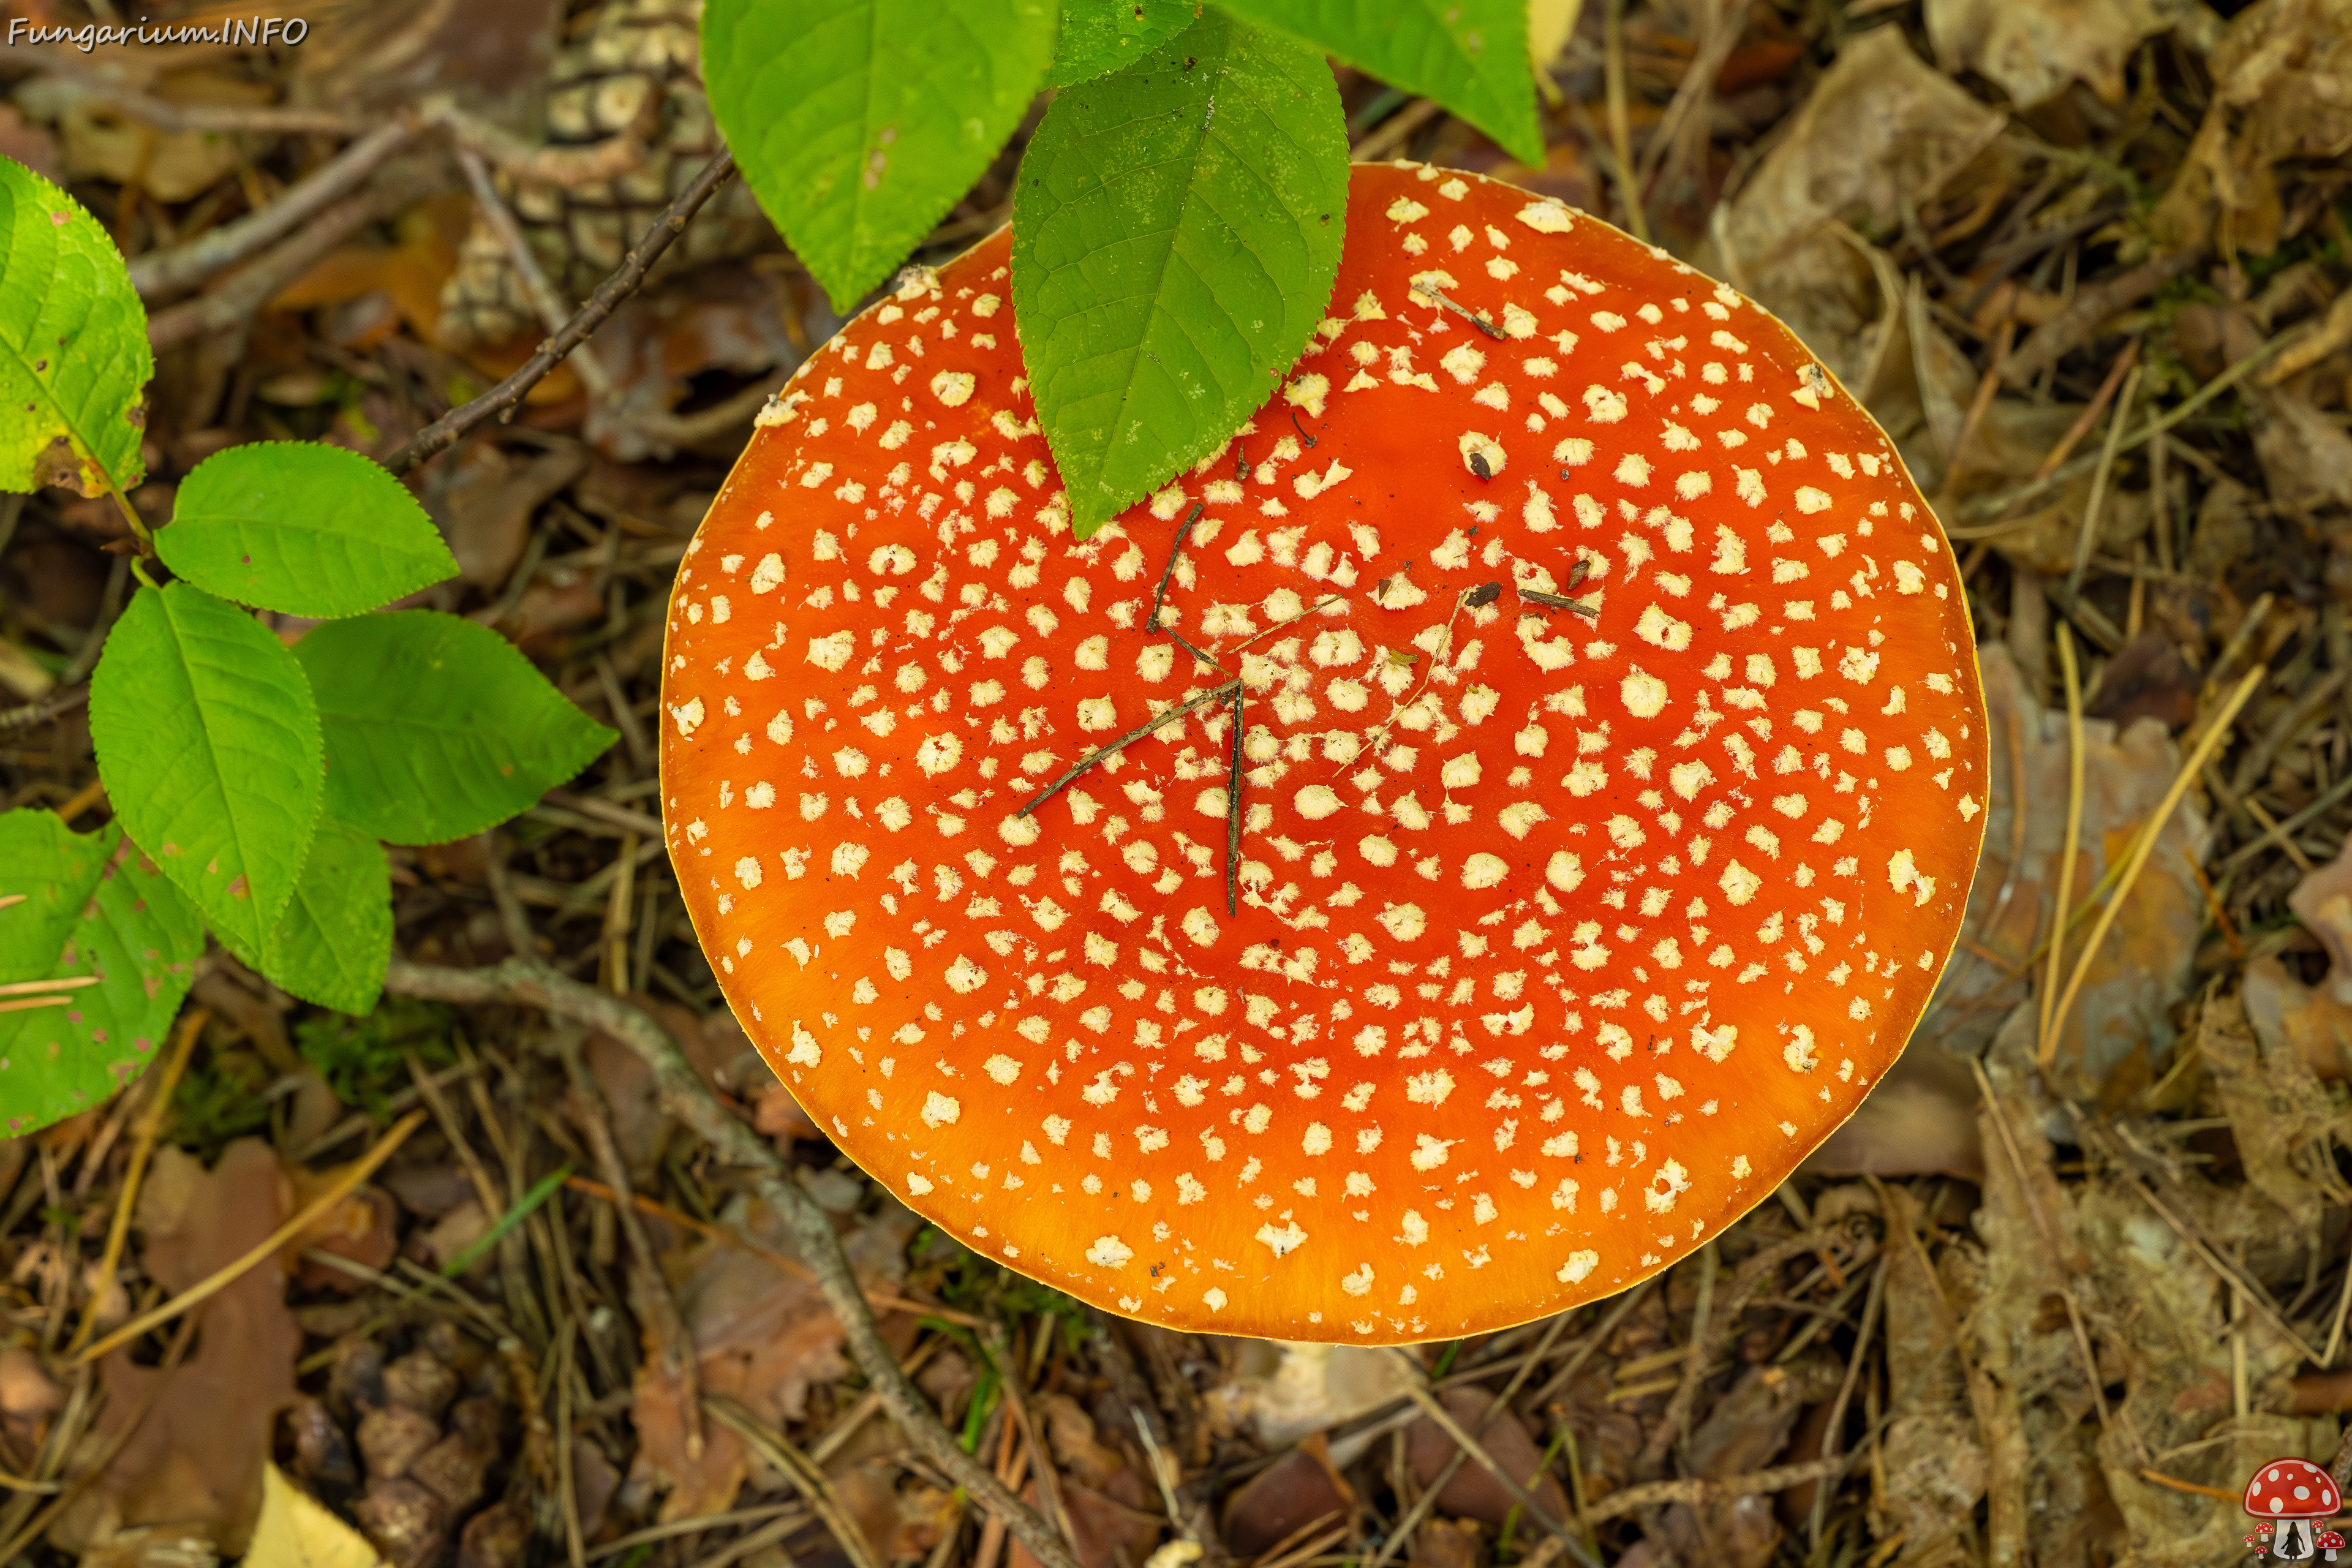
(1611, 775)
(2291, 1488)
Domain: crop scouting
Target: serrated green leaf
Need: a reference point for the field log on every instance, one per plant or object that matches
(859, 122)
(301, 528)
(1098, 36)
(73, 345)
(208, 744)
(436, 728)
(1469, 55)
(1175, 237)
(83, 908)
(332, 942)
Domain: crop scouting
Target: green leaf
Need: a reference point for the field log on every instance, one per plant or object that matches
(301, 528)
(858, 123)
(208, 744)
(1098, 36)
(1175, 237)
(436, 728)
(332, 942)
(83, 908)
(1469, 55)
(73, 345)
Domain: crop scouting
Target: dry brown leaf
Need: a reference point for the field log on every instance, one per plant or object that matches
(2034, 52)
(762, 1336)
(2120, 1033)
(484, 496)
(1473, 1492)
(1289, 1495)
(195, 1460)
(1881, 127)
(2283, 89)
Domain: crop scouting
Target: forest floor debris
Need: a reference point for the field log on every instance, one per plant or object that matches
(2090, 266)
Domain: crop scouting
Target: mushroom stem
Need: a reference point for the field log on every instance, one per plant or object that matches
(683, 1095)
(1094, 759)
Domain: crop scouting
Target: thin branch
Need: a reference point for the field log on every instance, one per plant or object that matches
(540, 292)
(683, 1095)
(1699, 1489)
(1234, 810)
(238, 300)
(184, 267)
(1175, 549)
(40, 710)
(569, 166)
(501, 400)
(1096, 758)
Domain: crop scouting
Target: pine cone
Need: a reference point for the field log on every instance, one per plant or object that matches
(638, 64)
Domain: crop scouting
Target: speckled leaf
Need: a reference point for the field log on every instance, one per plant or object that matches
(332, 942)
(208, 744)
(1099, 36)
(859, 122)
(436, 728)
(1175, 235)
(1469, 55)
(301, 528)
(73, 345)
(83, 906)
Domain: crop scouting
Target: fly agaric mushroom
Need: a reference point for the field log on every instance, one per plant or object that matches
(2292, 1494)
(2331, 1541)
(1440, 860)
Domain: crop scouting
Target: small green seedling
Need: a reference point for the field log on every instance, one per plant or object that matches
(253, 784)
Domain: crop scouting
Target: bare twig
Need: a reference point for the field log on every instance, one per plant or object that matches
(1493, 1467)
(552, 311)
(2075, 325)
(811, 1482)
(1157, 721)
(501, 400)
(1175, 549)
(236, 301)
(1699, 1489)
(509, 154)
(174, 271)
(1233, 807)
(685, 1095)
(651, 1291)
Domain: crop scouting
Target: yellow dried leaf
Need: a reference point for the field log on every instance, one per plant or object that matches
(296, 1531)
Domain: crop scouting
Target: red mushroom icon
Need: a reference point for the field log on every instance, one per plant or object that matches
(2331, 1541)
(2293, 1495)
